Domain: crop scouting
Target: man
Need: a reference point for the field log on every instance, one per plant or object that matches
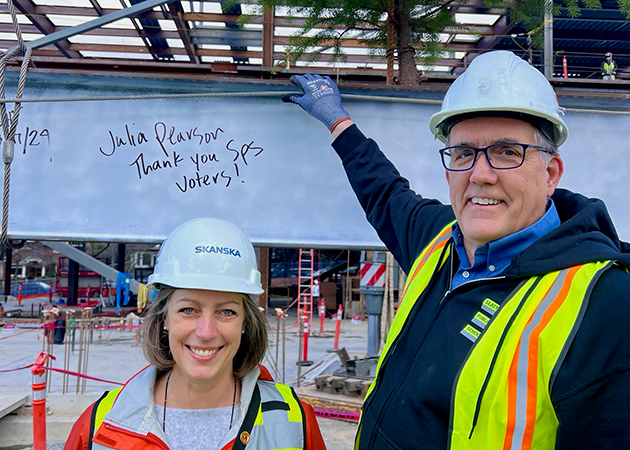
(512, 330)
(608, 67)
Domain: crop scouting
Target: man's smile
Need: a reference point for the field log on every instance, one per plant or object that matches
(484, 201)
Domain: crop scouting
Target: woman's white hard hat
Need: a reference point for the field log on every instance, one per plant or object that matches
(210, 254)
(499, 83)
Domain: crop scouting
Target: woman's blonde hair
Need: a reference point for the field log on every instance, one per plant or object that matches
(155, 343)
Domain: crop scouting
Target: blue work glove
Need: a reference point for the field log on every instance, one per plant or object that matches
(321, 99)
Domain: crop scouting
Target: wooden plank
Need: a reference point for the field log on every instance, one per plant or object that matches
(11, 402)
(324, 400)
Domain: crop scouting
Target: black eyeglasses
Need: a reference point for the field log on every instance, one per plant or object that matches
(500, 156)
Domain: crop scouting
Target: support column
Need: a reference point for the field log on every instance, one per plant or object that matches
(263, 266)
(73, 282)
(268, 31)
(8, 261)
(120, 261)
(548, 30)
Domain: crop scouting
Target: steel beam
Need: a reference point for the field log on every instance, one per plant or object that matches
(90, 262)
(45, 26)
(235, 37)
(96, 23)
(175, 13)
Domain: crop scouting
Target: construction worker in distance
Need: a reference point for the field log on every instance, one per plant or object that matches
(512, 332)
(205, 338)
(608, 67)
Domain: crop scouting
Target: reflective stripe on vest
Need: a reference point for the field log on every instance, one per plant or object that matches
(502, 398)
(419, 276)
(101, 407)
(274, 405)
(278, 423)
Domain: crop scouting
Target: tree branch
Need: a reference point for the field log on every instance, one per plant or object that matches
(436, 10)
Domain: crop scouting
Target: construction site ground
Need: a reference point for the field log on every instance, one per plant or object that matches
(115, 355)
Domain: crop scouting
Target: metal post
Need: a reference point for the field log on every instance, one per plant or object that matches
(120, 261)
(81, 350)
(66, 354)
(87, 313)
(347, 300)
(278, 340)
(50, 346)
(284, 336)
(374, 334)
(299, 362)
(73, 282)
(548, 31)
(7, 271)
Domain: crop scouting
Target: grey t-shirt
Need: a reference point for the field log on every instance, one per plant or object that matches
(192, 429)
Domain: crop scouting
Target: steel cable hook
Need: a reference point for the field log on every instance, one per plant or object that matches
(9, 127)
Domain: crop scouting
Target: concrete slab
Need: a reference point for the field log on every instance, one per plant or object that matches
(16, 431)
(11, 402)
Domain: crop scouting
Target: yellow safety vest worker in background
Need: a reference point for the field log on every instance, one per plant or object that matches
(502, 395)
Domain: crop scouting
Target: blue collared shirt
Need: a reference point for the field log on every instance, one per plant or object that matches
(492, 258)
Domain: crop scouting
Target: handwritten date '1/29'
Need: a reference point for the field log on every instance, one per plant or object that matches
(30, 138)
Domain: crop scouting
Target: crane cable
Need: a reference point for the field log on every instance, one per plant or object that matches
(9, 125)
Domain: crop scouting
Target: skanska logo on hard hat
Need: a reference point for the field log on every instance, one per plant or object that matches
(221, 250)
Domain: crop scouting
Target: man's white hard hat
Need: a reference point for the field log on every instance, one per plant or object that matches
(210, 254)
(499, 83)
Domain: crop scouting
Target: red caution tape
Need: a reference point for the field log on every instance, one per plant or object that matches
(18, 368)
(21, 332)
(68, 372)
(82, 375)
(342, 415)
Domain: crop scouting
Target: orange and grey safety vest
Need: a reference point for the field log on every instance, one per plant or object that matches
(502, 395)
(274, 420)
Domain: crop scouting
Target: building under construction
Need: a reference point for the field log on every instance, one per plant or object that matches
(130, 118)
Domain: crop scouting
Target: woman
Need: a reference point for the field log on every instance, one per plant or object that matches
(205, 339)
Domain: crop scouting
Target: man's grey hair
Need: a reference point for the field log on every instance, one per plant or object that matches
(544, 141)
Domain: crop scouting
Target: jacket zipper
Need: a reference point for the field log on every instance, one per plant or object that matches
(446, 294)
(496, 352)
(394, 345)
(157, 442)
(415, 309)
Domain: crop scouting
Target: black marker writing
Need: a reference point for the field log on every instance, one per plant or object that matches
(203, 159)
(244, 150)
(144, 169)
(203, 180)
(170, 136)
(121, 141)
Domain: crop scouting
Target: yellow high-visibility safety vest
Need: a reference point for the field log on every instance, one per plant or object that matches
(502, 395)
